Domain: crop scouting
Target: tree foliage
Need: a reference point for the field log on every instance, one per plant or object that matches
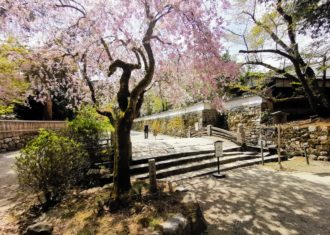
(278, 29)
(311, 15)
(88, 128)
(12, 83)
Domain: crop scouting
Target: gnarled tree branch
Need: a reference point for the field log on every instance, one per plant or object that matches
(277, 70)
(268, 51)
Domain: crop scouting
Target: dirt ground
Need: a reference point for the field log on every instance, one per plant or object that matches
(259, 200)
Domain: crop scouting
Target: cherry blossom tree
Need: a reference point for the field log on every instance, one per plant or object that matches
(193, 81)
(128, 42)
(53, 78)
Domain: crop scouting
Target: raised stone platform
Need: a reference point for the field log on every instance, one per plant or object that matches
(167, 145)
(181, 158)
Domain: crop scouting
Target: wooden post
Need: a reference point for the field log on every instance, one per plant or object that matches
(189, 132)
(152, 176)
(262, 152)
(170, 187)
(209, 130)
(306, 157)
(240, 134)
(279, 145)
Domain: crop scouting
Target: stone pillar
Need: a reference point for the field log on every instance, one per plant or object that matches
(209, 130)
(240, 134)
(189, 132)
(152, 176)
(196, 126)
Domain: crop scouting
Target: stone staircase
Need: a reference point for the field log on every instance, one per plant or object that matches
(182, 158)
(180, 166)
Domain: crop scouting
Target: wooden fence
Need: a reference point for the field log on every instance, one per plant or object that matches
(10, 128)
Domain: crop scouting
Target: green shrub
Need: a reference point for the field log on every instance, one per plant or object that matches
(176, 127)
(88, 128)
(4, 110)
(50, 164)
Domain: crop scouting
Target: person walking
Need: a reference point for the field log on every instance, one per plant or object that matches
(146, 131)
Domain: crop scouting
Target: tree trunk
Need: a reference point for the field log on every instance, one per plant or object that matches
(122, 146)
(309, 95)
(48, 109)
(319, 94)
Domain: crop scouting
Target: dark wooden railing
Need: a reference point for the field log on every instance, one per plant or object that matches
(214, 131)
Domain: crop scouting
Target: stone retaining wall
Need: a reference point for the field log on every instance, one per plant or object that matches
(14, 134)
(178, 125)
(294, 138)
(249, 116)
(15, 141)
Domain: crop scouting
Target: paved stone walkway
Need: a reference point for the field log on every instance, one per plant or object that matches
(8, 191)
(258, 201)
(164, 145)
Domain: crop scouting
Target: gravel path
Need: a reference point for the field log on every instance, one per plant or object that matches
(8, 191)
(258, 201)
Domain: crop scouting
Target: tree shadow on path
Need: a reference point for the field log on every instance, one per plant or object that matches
(255, 201)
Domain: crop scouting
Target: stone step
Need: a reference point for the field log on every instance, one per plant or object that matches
(233, 153)
(161, 164)
(144, 159)
(195, 166)
(184, 157)
(141, 168)
(223, 168)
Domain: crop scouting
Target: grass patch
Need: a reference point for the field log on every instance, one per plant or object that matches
(299, 164)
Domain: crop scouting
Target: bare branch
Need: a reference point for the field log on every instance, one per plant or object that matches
(139, 50)
(268, 51)
(107, 114)
(123, 65)
(140, 87)
(160, 40)
(291, 27)
(107, 50)
(137, 57)
(271, 33)
(86, 78)
(166, 10)
(82, 11)
(92, 90)
(277, 70)
(147, 10)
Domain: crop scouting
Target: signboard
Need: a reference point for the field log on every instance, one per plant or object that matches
(218, 149)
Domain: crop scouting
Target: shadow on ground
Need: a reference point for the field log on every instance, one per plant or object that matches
(255, 201)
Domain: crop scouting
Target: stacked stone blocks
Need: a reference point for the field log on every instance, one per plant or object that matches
(14, 134)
